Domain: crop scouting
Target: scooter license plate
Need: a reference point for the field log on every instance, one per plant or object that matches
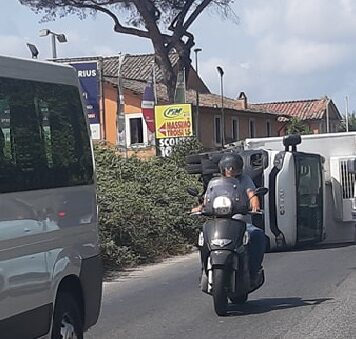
(201, 239)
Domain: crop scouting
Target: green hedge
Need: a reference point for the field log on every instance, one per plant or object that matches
(143, 208)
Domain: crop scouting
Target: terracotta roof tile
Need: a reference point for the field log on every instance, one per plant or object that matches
(138, 87)
(302, 109)
(135, 67)
(208, 100)
(205, 100)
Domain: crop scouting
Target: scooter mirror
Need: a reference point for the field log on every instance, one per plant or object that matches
(192, 191)
(261, 191)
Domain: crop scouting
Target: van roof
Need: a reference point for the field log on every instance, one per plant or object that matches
(44, 71)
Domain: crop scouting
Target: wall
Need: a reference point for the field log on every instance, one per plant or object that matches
(132, 105)
(110, 95)
(315, 126)
(206, 125)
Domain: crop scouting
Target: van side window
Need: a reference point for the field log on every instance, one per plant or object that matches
(44, 141)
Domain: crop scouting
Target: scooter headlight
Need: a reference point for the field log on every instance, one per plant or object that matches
(221, 242)
(246, 238)
(222, 206)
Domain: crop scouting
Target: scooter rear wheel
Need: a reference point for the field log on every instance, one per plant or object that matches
(219, 292)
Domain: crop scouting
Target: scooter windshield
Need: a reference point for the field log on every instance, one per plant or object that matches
(225, 187)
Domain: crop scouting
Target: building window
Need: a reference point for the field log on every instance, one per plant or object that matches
(235, 129)
(268, 128)
(252, 128)
(136, 130)
(217, 130)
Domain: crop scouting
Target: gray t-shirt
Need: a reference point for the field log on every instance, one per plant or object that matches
(246, 183)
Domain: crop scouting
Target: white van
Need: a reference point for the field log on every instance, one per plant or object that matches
(50, 268)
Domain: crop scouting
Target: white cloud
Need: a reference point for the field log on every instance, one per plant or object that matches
(296, 56)
(310, 19)
(260, 18)
(318, 19)
(12, 45)
(293, 37)
(238, 76)
(289, 50)
(245, 65)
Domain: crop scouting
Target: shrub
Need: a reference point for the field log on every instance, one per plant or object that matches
(143, 208)
(188, 146)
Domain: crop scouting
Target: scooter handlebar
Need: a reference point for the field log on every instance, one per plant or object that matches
(259, 212)
(195, 213)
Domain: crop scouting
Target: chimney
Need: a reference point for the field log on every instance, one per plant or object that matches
(242, 100)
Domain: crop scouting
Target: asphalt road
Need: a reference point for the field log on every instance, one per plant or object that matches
(307, 294)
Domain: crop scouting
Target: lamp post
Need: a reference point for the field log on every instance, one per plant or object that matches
(33, 49)
(60, 38)
(196, 51)
(347, 113)
(221, 72)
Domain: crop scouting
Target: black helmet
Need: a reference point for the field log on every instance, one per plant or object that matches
(233, 161)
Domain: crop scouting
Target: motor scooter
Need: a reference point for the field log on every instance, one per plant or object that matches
(223, 244)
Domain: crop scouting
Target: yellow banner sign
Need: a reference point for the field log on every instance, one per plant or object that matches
(173, 121)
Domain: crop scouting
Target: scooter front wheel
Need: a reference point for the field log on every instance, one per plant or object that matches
(219, 292)
(241, 299)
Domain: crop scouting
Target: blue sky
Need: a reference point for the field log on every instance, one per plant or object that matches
(280, 49)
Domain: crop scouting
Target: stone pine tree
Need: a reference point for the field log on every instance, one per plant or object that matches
(166, 23)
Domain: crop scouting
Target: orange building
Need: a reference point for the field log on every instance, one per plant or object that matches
(242, 119)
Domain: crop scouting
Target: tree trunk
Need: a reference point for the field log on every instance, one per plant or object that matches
(159, 43)
(169, 77)
(183, 50)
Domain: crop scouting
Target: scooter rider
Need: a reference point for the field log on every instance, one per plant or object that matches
(231, 165)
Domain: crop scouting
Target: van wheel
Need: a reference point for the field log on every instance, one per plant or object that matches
(67, 318)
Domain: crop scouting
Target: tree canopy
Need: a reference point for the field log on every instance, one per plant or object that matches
(351, 123)
(297, 126)
(166, 23)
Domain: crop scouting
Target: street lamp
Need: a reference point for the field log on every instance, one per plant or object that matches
(221, 72)
(60, 38)
(196, 51)
(33, 49)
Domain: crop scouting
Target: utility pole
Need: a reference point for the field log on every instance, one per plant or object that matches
(347, 113)
(196, 51)
(221, 72)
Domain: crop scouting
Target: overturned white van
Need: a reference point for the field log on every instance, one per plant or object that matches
(311, 181)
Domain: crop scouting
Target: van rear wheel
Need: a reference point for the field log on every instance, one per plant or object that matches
(67, 318)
